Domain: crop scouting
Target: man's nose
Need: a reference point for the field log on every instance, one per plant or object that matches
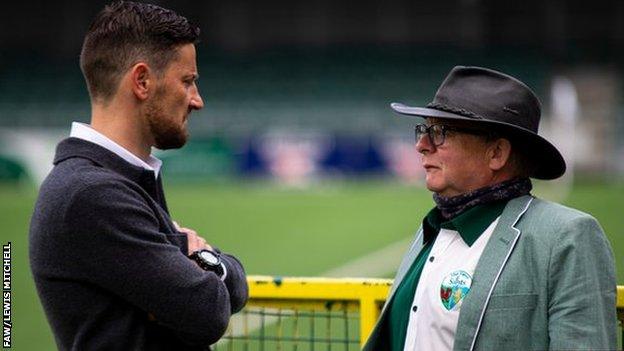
(423, 145)
(197, 103)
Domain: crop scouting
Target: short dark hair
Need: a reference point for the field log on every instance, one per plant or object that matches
(124, 33)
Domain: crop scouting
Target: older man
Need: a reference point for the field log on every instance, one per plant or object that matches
(493, 267)
(112, 269)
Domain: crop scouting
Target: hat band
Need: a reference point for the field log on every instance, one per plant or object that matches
(459, 111)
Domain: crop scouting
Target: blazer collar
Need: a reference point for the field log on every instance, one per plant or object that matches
(488, 270)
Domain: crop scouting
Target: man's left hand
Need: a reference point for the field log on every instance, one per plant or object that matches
(195, 242)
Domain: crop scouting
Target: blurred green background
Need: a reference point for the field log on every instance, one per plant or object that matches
(296, 164)
(281, 231)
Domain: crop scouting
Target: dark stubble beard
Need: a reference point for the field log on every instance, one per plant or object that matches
(166, 132)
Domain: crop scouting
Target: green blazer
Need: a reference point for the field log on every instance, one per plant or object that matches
(545, 281)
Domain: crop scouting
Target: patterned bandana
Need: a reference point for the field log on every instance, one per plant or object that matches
(450, 207)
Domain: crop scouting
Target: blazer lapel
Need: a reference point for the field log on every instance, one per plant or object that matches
(406, 263)
(487, 272)
(376, 340)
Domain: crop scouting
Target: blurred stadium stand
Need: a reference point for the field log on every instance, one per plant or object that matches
(326, 71)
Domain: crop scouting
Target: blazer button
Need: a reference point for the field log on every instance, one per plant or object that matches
(431, 259)
(414, 308)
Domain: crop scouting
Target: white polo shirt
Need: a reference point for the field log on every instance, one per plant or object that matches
(85, 132)
(444, 282)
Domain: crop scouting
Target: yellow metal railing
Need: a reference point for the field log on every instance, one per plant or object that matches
(364, 297)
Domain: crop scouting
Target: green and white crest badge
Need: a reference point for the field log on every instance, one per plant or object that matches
(455, 286)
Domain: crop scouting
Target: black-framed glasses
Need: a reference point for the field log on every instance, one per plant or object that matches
(437, 132)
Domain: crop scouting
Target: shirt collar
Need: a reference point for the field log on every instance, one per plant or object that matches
(470, 224)
(85, 132)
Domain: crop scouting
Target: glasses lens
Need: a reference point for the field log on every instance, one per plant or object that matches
(436, 133)
(419, 131)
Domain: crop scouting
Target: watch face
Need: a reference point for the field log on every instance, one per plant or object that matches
(209, 257)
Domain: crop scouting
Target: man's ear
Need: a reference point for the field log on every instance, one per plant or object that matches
(498, 153)
(142, 80)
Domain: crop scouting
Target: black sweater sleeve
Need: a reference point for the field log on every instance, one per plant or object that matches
(236, 282)
(116, 244)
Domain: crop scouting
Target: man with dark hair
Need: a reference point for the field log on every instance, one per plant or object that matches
(112, 269)
(493, 267)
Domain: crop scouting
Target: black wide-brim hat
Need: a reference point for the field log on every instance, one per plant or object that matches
(497, 102)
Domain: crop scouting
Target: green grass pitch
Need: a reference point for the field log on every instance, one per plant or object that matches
(278, 231)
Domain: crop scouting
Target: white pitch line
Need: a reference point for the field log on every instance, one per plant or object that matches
(380, 263)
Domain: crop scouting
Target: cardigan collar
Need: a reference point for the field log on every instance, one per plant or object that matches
(79, 148)
(86, 132)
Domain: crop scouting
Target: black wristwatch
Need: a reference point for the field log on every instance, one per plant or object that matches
(209, 261)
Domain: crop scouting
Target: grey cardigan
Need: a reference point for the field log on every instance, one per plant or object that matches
(111, 270)
(545, 281)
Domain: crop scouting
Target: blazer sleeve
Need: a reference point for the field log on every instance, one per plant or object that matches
(114, 242)
(582, 289)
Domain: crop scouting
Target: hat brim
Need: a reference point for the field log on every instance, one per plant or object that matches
(548, 160)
